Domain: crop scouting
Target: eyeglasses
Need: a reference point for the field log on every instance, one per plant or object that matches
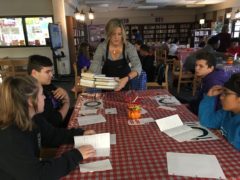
(225, 93)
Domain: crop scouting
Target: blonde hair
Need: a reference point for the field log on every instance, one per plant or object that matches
(14, 95)
(112, 25)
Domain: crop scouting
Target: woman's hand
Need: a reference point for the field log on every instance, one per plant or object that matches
(87, 151)
(122, 83)
(215, 90)
(89, 132)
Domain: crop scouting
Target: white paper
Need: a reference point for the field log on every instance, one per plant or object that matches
(186, 136)
(143, 111)
(111, 111)
(166, 100)
(91, 119)
(167, 108)
(194, 165)
(102, 165)
(205, 133)
(100, 142)
(140, 121)
(87, 112)
(169, 122)
(174, 127)
(113, 139)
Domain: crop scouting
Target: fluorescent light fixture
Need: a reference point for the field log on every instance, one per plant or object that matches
(195, 5)
(228, 15)
(201, 21)
(147, 7)
(103, 5)
(156, 1)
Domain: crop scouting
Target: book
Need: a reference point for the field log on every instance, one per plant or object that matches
(87, 83)
(106, 83)
(105, 87)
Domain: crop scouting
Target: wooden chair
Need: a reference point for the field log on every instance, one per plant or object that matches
(155, 85)
(161, 56)
(182, 76)
(19, 67)
(6, 68)
(78, 88)
(196, 84)
(13, 67)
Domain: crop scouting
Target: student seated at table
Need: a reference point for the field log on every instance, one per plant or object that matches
(234, 47)
(172, 53)
(212, 44)
(147, 60)
(57, 102)
(23, 132)
(226, 119)
(205, 68)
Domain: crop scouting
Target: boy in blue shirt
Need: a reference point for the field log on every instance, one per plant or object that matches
(226, 119)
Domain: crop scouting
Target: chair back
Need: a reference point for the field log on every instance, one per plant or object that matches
(77, 87)
(6, 68)
(20, 67)
(139, 83)
(161, 56)
(182, 76)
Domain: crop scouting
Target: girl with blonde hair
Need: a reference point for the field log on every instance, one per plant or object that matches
(23, 132)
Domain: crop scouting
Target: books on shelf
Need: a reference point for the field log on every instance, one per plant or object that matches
(98, 81)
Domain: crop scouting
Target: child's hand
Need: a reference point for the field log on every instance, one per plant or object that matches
(215, 90)
(87, 151)
(89, 132)
(60, 93)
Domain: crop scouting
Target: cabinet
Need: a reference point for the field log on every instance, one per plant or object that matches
(76, 33)
(153, 33)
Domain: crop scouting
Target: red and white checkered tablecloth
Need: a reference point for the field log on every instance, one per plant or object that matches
(140, 152)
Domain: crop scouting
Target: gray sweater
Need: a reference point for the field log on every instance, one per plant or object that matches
(100, 53)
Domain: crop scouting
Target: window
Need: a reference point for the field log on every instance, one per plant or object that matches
(236, 29)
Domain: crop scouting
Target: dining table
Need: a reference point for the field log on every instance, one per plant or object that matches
(230, 69)
(140, 150)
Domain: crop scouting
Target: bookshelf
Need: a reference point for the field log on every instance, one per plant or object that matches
(76, 33)
(153, 33)
(197, 34)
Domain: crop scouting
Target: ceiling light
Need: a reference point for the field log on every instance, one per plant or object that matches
(147, 7)
(82, 16)
(202, 21)
(77, 14)
(91, 14)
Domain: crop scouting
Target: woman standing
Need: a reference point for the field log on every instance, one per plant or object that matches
(113, 56)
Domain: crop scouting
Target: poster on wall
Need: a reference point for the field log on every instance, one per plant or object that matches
(11, 32)
(37, 30)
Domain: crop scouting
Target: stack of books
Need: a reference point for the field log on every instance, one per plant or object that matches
(87, 79)
(98, 81)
